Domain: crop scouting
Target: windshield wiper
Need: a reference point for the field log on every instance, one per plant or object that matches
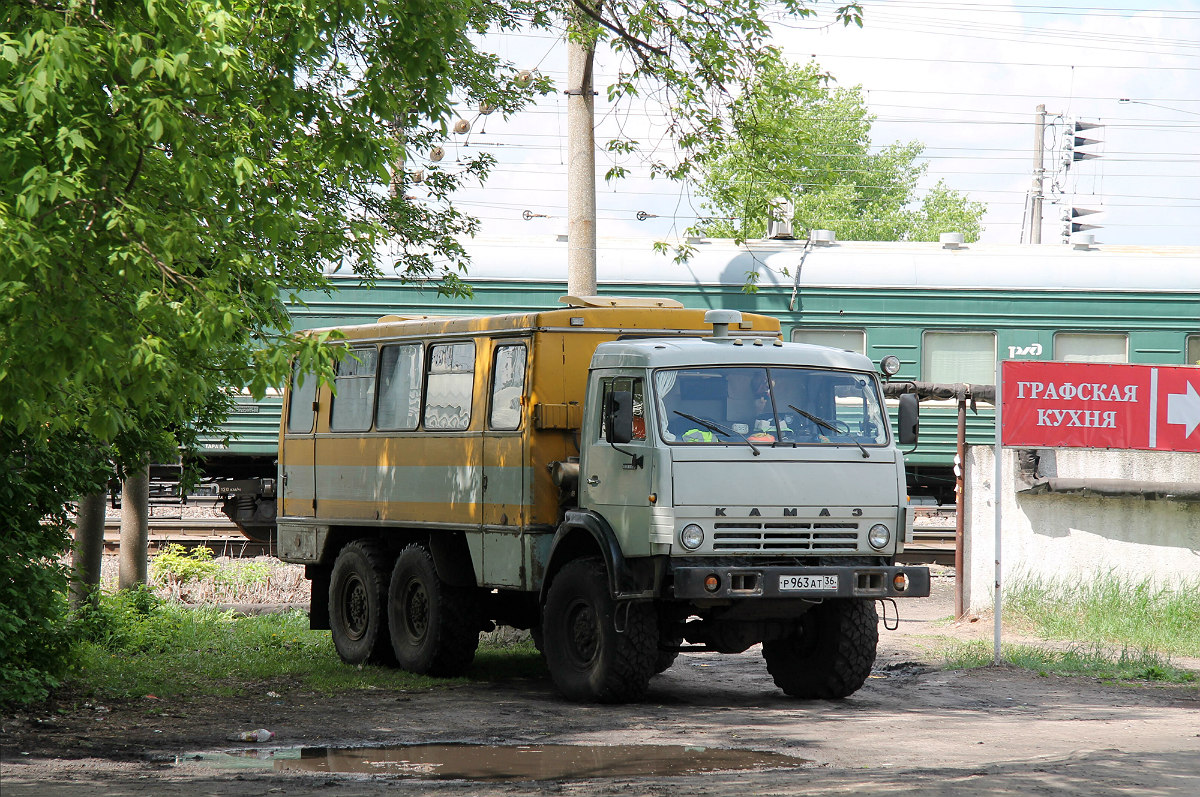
(713, 426)
(826, 424)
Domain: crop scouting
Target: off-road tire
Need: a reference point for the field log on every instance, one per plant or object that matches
(588, 659)
(434, 626)
(832, 655)
(358, 604)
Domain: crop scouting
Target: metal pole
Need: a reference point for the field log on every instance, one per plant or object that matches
(961, 463)
(135, 528)
(998, 501)
(581, 170)
(89, 549)
(1039, 175)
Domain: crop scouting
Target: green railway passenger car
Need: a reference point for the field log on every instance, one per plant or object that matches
(949, 312)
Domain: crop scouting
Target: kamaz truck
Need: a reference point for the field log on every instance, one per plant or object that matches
(625, 478)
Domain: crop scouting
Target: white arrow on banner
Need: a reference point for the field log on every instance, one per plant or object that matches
(1184, 409)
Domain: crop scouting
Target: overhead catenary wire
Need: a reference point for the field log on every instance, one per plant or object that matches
(980, 170)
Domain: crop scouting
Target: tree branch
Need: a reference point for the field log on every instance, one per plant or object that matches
(638, 44)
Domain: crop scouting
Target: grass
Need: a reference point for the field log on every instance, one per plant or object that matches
(138, 644)
(1112, 611)
(1107, 628)
(172, 639)
(1076, 660)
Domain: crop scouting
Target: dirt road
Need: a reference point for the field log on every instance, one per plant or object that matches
(912, 728)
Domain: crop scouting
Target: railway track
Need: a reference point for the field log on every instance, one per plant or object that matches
(217, 534)
(933, 537)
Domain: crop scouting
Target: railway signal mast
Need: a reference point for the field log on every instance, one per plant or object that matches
(1073, 151)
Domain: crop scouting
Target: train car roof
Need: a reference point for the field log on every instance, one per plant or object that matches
(784, 264)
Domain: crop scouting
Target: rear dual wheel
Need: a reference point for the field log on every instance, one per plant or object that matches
(434, 625)
(357, 599)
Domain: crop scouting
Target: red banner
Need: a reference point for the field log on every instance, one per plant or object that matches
(1088, 405)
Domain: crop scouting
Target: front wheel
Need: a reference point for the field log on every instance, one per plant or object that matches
(357, 594)
(434, 625)
(596, 650)
(832, 655)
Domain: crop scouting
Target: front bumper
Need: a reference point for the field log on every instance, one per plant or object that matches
(853, 581)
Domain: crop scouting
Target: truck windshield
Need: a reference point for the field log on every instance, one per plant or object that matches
(756, 405)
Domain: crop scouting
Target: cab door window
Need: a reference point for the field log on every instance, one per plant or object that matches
(630, 384)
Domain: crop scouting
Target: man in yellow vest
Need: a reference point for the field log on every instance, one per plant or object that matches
(763, 429)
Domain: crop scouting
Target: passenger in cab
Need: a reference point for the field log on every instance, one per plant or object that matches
(766, 427)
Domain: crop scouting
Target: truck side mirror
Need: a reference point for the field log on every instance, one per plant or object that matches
(909, 420)
(618, 416)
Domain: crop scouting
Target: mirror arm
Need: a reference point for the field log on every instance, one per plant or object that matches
(636, 460)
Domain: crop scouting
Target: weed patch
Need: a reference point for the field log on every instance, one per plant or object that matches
(1075, 660)
(1112, 612)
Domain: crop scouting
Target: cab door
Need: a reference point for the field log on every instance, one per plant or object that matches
(616, 481)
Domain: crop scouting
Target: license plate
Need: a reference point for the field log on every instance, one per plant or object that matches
(823, 583)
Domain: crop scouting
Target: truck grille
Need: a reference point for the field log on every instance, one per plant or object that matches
(785, 537)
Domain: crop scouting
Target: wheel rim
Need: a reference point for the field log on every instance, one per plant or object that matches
(583, 633)
(357, 610)
(416, 610)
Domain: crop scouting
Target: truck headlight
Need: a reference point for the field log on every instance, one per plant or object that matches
(692, 536)
(879, 536)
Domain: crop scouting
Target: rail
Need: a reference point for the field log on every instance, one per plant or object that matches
(933, 537)
(220, 536)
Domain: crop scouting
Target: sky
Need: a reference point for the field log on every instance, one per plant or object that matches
(963, 78)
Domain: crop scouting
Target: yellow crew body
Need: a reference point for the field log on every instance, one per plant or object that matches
(487, 411)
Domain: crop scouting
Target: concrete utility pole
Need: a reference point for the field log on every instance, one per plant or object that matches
(1039, 175)
(581, 164)
(135, 528)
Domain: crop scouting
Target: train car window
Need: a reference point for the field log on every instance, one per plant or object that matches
(399, 402)
(300, 402)
(449, 386)
(508, 387)
(849, 339)
(1089, 347)
(958, 357)
(354, 391)
(1193, 350)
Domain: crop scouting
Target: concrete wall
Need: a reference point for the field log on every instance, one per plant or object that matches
(1059, 537)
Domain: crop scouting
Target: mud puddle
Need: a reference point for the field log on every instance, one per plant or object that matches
(501, 762)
